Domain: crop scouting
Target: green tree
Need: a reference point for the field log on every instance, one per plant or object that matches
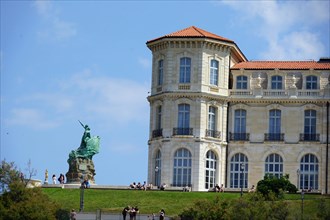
(19, 202)
(272, 184)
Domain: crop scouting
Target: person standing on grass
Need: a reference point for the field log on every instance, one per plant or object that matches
(73, 215)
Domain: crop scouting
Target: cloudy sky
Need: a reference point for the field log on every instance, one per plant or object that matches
(64, 61)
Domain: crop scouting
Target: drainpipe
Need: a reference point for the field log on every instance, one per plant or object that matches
(327, 153)
(227, 140)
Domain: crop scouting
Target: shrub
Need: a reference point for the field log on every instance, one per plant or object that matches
(278, 186)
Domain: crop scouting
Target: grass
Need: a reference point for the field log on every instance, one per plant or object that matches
(153, 201)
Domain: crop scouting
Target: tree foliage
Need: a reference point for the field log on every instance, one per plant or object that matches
(272, 184)
(19, 202)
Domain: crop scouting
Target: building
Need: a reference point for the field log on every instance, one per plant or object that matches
(217, 118)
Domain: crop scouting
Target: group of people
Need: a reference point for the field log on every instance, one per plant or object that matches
(133, 211)
(218, 188)
(140, 186)
(61, 179)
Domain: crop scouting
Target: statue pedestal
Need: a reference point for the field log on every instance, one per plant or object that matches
(80, 169)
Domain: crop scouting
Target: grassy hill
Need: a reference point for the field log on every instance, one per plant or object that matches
(153, 201)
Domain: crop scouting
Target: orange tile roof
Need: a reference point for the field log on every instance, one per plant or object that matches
(192, 32)
(294, 65)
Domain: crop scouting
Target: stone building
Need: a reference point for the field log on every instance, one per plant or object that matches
(217, 118)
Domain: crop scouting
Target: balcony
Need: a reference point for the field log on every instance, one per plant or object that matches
(274, 137)
(239, 136)
(309, 137)
(182, 131)
(212, 133)
(273, 93)
(157, 133)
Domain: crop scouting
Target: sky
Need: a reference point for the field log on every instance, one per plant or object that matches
(64, 61)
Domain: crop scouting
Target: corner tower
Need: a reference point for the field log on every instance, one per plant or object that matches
(188, 108)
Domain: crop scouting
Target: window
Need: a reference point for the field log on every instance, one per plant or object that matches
(311, 82)
(274, 165)
(241, 82)
(310, 125)
(309, 172)
(185, 70)
(214, 72)
(239, 173)
(274, 125)
(210, 170)
(212, 121)
(240, 125)
(158, 168)
(159, 118)
(276, 82)
(183, 119)
(160, 72)
(182, 168)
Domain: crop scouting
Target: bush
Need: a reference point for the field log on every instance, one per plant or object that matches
(278, 186)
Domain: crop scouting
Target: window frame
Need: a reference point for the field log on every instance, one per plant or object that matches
(185, 70)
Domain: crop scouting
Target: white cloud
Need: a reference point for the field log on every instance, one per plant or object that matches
(289, 27)
(56, 28)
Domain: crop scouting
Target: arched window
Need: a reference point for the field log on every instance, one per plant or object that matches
(240, 125)
(276, 82)
(274, 165)
(275, 125)
(158, 168)
(160, 72)
(185, 70)
(309, 172)
(310, 125)
(241, 82)
(311, 82)
(239, 171)
(214, 72)
(210, 170)
(182, 168)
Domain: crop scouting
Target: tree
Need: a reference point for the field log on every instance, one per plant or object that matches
(19, 202)
(272, 184)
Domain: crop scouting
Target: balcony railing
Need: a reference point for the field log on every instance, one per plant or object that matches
(273, 93)
(182, 131)
(309, 137)
(157, 133)
(274, 137)
(212, 133)
(239, 136)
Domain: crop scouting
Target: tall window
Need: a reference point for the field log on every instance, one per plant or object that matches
(276, 82)
(309, 172)
(240, 124)
(214, 72)
(182, 168)
(212, 121)
(241, 82)
(159, 118)
(160, 72)
(183, 119)
(274, 165)
(311, 82)
(210, 170)
(310, 125)
(274, 124)
(185, 70)
(239, 173)
(158, 168)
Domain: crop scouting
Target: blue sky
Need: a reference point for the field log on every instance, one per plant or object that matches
(64, 61)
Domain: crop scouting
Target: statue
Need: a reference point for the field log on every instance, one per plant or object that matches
(80, 161)
(46, 177)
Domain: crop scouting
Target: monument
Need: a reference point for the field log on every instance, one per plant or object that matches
(81, 165)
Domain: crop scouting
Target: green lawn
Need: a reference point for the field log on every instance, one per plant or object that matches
(153, 201)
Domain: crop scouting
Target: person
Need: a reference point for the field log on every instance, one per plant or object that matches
(61, 179)
(162, 214)
(131, 213)
(124, 212)
(54, 178)
(151, 217)
(252, 189)
(86, 184)
(222, 188)
(136, 211)
(217, 188)
(73, 215)
(132, 185)
(186, 189)
(163, 186)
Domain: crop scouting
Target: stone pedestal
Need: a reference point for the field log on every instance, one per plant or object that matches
(79, 169)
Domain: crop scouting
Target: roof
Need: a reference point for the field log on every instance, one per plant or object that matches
(289, 65)
(192, 32)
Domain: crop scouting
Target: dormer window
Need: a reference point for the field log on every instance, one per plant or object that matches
(276, 82)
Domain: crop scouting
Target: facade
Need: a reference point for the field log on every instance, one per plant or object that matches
(217, 118)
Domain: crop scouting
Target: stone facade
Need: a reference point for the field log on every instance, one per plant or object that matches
(196, 138)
